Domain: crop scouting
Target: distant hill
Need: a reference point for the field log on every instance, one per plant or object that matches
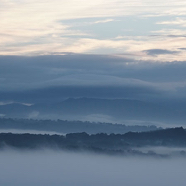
(124, 109)
(64, 126)
(119, 144)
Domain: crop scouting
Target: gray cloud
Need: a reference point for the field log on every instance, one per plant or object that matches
(153, 52)
(54, 77)
(176, 35)
(170, 35)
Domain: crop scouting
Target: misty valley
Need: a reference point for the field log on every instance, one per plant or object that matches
(102, 138)
(92, 141)
(55, 152)
(92, 93)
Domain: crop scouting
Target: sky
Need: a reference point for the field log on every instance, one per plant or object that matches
(137, 29)
(81, 48)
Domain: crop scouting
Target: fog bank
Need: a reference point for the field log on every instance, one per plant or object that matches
(79, 169)
(23, 131)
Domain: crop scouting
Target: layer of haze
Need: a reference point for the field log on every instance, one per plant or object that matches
(23, 131)
(80, 169)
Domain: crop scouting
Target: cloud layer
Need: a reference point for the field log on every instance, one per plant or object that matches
(25, 79)
(56, 168)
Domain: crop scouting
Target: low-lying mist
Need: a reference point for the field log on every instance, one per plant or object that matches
(23, 131)
(54, 168)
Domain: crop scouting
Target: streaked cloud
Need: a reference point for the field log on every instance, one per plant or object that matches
(178, 21)
(104, 21)
(42, 27)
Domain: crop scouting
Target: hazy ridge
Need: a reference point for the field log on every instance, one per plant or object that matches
(64, 126)
(86, 108)
(116, 144)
